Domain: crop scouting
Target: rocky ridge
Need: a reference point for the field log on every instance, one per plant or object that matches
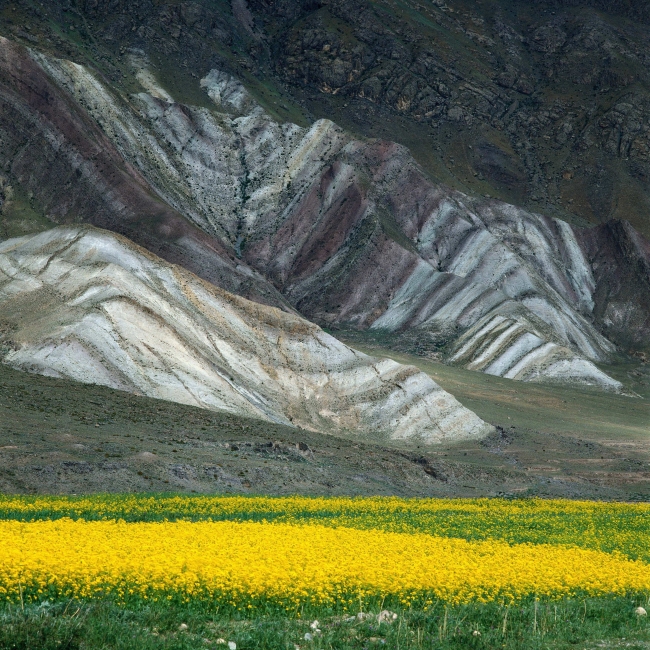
(544, 105)
(351, 233)
(89, 305)
(483, 269)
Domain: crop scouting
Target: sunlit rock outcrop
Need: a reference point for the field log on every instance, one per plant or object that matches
(89, 305)
(511, 292)
(68, 164)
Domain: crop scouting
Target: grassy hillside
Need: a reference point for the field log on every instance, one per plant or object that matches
(61, 437)
(565, 410)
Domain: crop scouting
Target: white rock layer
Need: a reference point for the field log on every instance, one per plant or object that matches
(226, 169)
(512, 290)
(89, 305)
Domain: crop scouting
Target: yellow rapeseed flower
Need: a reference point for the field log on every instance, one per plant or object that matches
(249, 563)
(610, 527)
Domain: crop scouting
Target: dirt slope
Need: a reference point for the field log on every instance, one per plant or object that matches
(58, 436)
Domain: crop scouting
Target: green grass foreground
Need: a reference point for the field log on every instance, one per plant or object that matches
(590, 623)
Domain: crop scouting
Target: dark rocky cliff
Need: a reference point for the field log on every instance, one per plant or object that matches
(542, 104)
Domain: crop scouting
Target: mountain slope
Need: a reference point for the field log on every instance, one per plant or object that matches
(71, 171)
(91, 306)
(350, 233)
(543, 104)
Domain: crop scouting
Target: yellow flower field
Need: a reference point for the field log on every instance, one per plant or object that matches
(249, 563)
(603, 526)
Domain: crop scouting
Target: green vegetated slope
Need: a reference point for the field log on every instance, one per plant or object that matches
(20, 213)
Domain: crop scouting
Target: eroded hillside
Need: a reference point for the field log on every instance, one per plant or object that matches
(544, 105)
(348, 232)
(91, 306)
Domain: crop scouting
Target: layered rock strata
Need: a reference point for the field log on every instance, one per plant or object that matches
(349, 233)
(69, 167)
(89, 305)
(544, 104)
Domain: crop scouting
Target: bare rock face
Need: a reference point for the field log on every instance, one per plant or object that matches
(348, 233)
(90, 305)
(511, 291)
(70, 167)
(620, 259)
(507, 291)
